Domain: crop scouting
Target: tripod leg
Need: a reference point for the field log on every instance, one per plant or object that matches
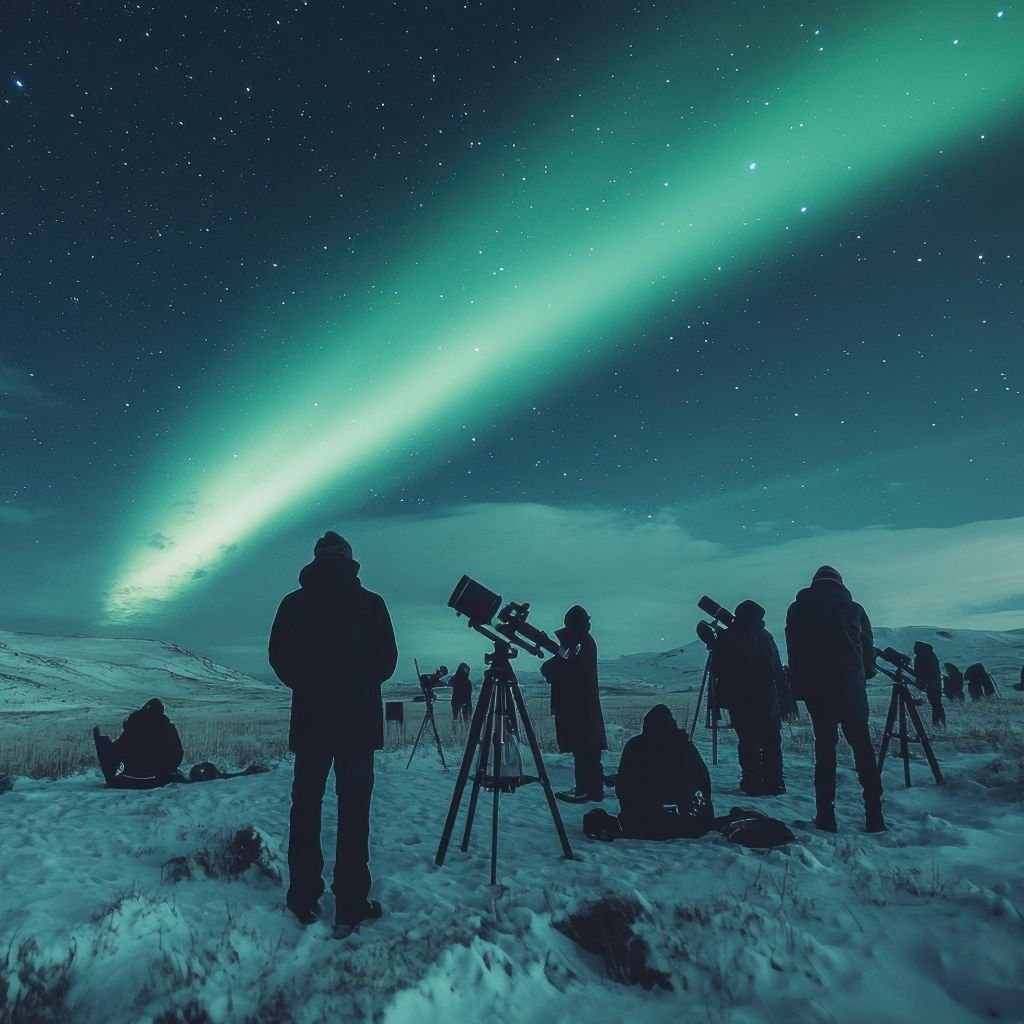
(713, 716)
(467, 763)
(904, 700)
(887, 732)
(542, 773)
(926, 744)
(498, 751)
(481, 771)
(437, 741)
(423, 725)
(700, 696)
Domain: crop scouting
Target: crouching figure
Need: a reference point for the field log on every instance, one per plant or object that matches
(663, 785)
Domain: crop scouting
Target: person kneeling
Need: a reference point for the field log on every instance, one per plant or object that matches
(663, 785)
(146, 754)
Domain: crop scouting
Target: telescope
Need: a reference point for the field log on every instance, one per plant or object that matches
(903, 662)
(482, 606)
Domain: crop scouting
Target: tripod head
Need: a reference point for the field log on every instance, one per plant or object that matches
(902, 672)
(481, 606)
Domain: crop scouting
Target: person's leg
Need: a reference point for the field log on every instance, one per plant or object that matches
(748, 750)
(305, 857)
(771, 757)
(353, 771)
(826, 736)
(859, 738)
(589, 776)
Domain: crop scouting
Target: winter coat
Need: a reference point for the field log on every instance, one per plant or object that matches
(575, 700)
(926, 666)
(953, 686)
(332, 644)
(747, 668)
(662, 767)
(149, 746)
(462, 687)
(979, 682)
(831, 650)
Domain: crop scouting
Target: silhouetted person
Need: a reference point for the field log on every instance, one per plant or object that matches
(929, 678)
(979, 682)
(1020, 685)
(146, 754)
(663, 785)
(576, 705)
(953, 683)
(748, 677)
(462, 694)
(332, 645)
(831, 655)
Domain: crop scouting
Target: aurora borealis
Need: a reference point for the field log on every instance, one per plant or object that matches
(738, 289)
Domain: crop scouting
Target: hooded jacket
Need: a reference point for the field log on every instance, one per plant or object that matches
(149, 745)
(926, 665)
(831, 650)
(660, 768)
(332, 644)
(747, 668)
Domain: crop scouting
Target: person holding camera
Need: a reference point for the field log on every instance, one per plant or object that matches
(332, 644)
(576, 705)
(462, 695)
(831, 656)
(751, 684)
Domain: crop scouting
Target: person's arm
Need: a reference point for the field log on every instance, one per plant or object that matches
(282, 645)
(385, 648)
(867, 641)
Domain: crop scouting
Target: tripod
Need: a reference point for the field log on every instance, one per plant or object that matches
(901, 706)
(500, 699)
(428, 716)
(712, 715)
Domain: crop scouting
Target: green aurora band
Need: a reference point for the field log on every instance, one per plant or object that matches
(582, 231)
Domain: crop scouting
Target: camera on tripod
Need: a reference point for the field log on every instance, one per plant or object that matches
(903, 662)
(721, 620)
(430, 682)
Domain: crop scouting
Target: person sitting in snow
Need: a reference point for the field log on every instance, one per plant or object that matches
(146, 754)
(663, 784)
(749, 679)
(929, 678)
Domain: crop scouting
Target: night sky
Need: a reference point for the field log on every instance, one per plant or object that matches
(599, 303)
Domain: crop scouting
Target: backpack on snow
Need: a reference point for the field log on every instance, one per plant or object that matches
(754, 829)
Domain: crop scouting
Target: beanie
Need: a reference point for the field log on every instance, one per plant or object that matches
(826, 572)
(331, 545)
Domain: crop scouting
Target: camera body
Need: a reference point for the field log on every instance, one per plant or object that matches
(721, 620)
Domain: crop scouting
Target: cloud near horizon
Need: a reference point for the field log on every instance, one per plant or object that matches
(641, 578)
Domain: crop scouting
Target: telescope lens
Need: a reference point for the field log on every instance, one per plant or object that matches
(474, 600)
(715, 610)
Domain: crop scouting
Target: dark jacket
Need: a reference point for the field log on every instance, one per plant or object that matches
(747, 668)
(979, 682)
(333, 645)
(831, 650)
(149, 745)
(660, 768)
(462, 686)
(575, 700)
(926, 666)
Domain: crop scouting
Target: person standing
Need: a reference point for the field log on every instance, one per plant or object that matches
(462, 694)
(748, 682)
(953, 683)
(929, 678)
(332, 644)
(831, 655)
(576, 705)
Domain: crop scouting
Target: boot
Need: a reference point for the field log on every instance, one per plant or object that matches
(825, 818)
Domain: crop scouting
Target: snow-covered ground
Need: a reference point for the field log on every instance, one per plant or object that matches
(120, 906)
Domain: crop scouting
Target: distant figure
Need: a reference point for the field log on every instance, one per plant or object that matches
(663, 785)
(332, 644)
(953, 683)
(979, 682)
(831, 654)
(1020, 685)
(576, 705)
(929, 678)
(748, 679)
(146, 754)
(462, 694)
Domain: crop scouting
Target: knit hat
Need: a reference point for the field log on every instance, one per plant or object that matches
(826, 572)
(577, 616)
(749, 611)
(331, 545)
